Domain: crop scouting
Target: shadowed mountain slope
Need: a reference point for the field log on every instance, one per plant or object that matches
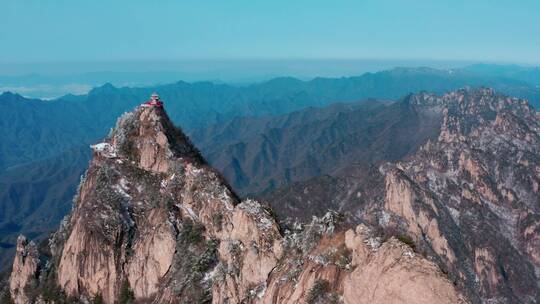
(35, 197)
(257, 155)
(34, 130)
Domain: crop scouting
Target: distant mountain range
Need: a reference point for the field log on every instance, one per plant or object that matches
(52, 80)
(258, 155)
(36, 130)
(526, 74)
(262, 136)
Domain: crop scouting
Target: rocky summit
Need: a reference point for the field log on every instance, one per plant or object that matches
(471, 198)
(455, 222)
(467, 199)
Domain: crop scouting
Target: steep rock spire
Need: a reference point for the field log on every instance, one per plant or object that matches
(24, 274)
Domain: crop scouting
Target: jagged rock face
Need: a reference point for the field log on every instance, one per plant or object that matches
(471, 198)
(353, 266)
(145, 191)
(152, 222)
(402, 276)
(468, 198)
(151, 218)
(25, 270)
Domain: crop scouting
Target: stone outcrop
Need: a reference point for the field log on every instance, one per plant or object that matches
(354, 266)
(470, 199)
(24, 274)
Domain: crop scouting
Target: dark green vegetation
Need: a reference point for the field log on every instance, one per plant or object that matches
(406, 240)
(126, 294)
(194, 258)
(98, 299)
(48, 289)
(6, 299)
(320, 293)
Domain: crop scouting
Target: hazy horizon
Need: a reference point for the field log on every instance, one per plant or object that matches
(312, 67)
(51, 80)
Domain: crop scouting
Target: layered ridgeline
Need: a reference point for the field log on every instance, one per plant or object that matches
(468, 199)
(43, 144)
(37, 129)
(154, 224)
(259, 155)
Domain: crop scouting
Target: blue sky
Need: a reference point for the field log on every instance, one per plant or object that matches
(67, 30)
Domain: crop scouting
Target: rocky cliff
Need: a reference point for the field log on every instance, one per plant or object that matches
(25, 271)
(470, 199)
(153, 223)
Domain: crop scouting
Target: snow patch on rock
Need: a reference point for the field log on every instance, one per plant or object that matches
(105, 149)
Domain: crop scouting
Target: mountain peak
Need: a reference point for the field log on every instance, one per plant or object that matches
(146, 205)
(105, 88)
(10, 96)
(470, 101)
(148, 137)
